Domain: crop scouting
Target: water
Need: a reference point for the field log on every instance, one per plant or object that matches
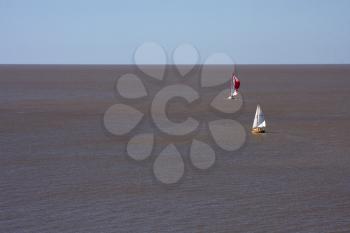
(61, 171)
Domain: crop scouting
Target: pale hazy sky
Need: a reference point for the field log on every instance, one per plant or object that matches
(108, 32)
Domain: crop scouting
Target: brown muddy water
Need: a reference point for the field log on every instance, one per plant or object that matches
(62, 171)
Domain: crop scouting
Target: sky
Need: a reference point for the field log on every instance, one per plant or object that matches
(108, 32)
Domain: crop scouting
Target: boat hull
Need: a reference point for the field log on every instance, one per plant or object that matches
(258, 130)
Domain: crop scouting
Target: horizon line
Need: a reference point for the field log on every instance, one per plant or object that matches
(172, 64)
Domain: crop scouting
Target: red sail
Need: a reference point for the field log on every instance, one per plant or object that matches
(236, 82)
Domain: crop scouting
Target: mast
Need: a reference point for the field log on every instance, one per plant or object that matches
(232, 86)
(258, 110)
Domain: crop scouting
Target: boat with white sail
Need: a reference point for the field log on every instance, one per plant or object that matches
(259, 124)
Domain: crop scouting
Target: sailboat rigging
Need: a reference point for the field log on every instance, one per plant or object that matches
(235, 84)
(259, 124)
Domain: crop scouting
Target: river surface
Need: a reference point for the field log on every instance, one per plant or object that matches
(62, 171)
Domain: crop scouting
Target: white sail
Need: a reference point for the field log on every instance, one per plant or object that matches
(255, 123)
(232, 88)
(259, 119)
(234, 93)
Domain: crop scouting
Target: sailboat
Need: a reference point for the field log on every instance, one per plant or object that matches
(235, 83)
(259, 124)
